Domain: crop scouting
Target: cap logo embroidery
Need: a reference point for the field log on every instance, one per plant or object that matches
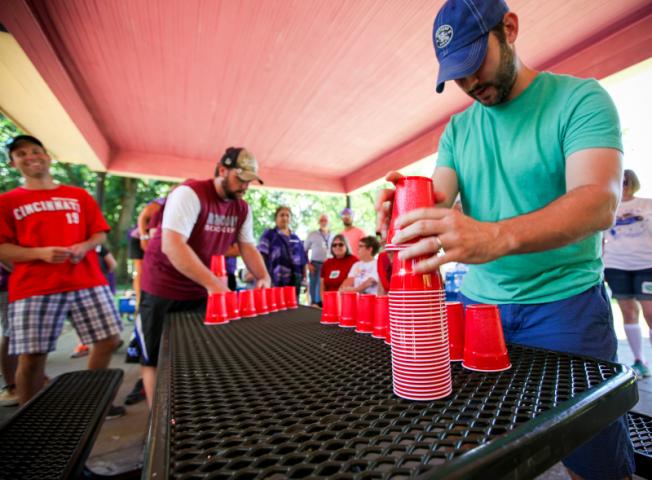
(443, 35)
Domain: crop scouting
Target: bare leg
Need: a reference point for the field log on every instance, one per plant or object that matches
(101, 352)
(138, 270)
(630, 311)
(646, 305)
(30, 376)
(629, 307)
(8, 363)
(149, 381)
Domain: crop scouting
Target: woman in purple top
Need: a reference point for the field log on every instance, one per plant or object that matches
(283, 252)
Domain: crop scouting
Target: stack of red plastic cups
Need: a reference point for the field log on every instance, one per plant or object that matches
(417, 315)
(419, 332)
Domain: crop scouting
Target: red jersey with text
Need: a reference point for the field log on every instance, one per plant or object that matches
(215, 230)
(335, 270)
(59, 217)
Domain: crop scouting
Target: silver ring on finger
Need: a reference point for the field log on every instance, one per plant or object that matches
(439, 244)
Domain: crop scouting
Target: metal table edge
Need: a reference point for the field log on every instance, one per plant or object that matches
(490, 461)
(157, 445)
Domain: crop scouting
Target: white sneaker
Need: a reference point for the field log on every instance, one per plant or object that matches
(8, 397)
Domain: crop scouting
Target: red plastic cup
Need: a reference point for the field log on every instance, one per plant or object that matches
(216, 312)
(218, 265)
(330, 313)
(455, 316)
(349, 315)
(381, 317)
(247, 304)
(271, 300)
(280, 298)
(411, 193)
(290, 296)
(366, 312)
(484, 343)
(232, 308)
(260, 301)
(404, 277)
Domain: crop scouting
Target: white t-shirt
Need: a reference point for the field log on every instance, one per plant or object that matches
(361, 271)
(628, 244)
(182, 209)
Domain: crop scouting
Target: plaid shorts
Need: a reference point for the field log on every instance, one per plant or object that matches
(4, 313)
(35, 323)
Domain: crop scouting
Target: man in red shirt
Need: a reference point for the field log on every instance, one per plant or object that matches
(201, 218)
(49, 231)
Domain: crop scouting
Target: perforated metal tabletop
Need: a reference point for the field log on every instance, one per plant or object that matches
(281, 396)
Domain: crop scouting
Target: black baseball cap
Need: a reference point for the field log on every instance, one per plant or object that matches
(15, 142)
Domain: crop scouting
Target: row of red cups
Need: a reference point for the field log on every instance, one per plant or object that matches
(223, 307)
(367, 313)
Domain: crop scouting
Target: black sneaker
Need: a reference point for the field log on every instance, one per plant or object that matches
(137, 393)
(116, 411)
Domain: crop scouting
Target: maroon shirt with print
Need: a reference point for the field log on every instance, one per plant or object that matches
(215, 230)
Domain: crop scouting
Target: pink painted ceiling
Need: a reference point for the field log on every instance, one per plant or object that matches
(328, 94)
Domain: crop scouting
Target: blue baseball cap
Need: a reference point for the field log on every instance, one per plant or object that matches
(346, 211)
(460, 36)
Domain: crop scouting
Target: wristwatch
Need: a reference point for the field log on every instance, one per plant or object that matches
(144, 237)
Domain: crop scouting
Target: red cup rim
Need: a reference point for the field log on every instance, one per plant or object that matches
(476, 369)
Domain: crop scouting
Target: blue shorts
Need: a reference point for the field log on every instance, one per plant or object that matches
(582, 325)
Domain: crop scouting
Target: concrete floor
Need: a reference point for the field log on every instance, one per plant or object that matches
(120, 444)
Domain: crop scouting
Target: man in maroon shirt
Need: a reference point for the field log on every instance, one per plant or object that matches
(201, 218)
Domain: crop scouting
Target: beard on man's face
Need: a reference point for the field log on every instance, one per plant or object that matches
(504, 78)
(229, 192)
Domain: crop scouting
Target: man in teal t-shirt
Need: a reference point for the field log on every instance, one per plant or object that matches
(538, 165)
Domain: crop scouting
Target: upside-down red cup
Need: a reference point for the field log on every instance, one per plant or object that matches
(330, 312)
(260, 301)
(232, 308)
(404, 278)
(349, 315)
(455, 318)
(279, 295)
(290, 296)
(366, 312)
(411, 192)
(247, 304)
(216, 309)
(271, 300)
(484, 343)
(218, 265)
(381, 317)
